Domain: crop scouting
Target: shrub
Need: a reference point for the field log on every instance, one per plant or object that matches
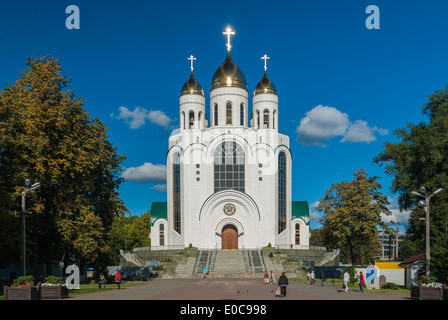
(24, 281)
(53, 280)
(391, 286)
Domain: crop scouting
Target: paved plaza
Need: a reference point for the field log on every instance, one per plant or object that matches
(232, 289)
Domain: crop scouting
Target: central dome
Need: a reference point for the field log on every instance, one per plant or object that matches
(228, 75)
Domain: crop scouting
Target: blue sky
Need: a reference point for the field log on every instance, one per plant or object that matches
(129, 61)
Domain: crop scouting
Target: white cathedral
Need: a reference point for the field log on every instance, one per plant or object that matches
(229, 179)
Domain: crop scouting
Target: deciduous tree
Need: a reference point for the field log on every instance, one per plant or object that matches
(46, 135)
(352, 211)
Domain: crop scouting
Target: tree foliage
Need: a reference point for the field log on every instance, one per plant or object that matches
(420, 158)
(352, 211)
(47, 136)
(128, 233)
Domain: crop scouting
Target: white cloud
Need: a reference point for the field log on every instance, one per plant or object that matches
(159, 117)
(137, 118)
(159, 187)
(320, 124)
(397, 216)
(313, 214)
(147, 172)
(323, 123)
(361, 132)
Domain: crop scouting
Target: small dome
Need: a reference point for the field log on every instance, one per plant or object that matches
(265, 86)
(192, 86)
(228, 75)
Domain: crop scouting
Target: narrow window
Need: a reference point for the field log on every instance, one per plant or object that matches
(161, 235)
(191, 117)
(229, 113)
(176, 194)
(241, 114)
(281, 192)
(297, 234)
(274, 119)
(182, 120)
(266, 118)
(216, 114)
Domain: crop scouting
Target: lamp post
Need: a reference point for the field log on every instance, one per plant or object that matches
(426, 206)
(28, 187)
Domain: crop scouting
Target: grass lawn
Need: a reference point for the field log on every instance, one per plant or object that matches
(90, 288)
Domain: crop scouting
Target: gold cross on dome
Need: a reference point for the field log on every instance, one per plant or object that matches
(228, 33)
(265, 57)
(192, 58)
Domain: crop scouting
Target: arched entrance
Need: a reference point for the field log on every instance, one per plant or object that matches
(229, 237)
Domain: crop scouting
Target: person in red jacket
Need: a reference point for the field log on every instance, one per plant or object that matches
(118, 278)
(361, 282)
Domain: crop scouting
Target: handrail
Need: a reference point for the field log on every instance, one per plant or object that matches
(215, 253)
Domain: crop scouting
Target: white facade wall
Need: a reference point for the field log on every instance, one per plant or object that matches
(202, 210)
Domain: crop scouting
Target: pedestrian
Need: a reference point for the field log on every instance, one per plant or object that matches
(361, 282)
(322, 278)
(272, 277)
(102, 280)
(266, 277)
(313, 276)
(346, 280)
(118, 279)
(308, 277)
(282, 283)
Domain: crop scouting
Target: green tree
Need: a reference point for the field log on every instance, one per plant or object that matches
(420, 158)
(137, 232)
(352, 211)
(47, 136)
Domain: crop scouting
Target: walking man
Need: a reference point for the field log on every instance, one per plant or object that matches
(346, 280)
(283, 282)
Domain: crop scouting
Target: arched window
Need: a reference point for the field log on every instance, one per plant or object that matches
(266, 118)
(161, 234)
(281, 192)
(191, 119)
(176, 194)
(229, 166)
(274, 119)
(297, 234)
(241, 114)
(216, 114)
(229, 113)
(182, 120)
(257, 116)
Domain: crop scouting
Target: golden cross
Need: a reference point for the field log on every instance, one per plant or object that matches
(192, 58)
(265, 57)
(228, 33)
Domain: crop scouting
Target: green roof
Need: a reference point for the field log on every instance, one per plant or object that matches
(158, 211)
(300, 209)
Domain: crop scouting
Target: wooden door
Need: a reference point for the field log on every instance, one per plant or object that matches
(229, 238)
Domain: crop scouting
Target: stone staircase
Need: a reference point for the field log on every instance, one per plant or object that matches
(227, 264)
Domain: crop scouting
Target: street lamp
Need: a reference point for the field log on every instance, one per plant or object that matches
(426, 206)
(28, 187)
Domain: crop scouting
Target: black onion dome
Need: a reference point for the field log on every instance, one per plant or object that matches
(192, 86)
(265, 86)
(228, 75)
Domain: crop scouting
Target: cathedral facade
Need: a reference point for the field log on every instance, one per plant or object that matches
(228, 175)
